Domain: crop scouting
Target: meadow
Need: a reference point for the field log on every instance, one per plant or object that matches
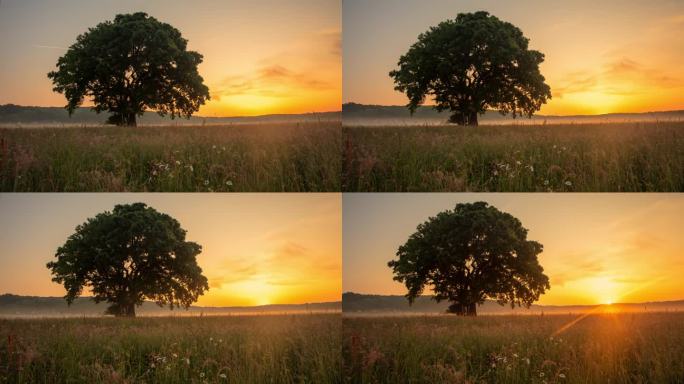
(210, 349)
(287, 157)
(607, 157)
(600, 348)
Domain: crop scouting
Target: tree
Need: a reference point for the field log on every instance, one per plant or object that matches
(471, 254)
(470, 64)
(129, 255)
(129, 65)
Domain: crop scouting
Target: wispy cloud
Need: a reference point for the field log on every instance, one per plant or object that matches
(621, 76)
(271, 81)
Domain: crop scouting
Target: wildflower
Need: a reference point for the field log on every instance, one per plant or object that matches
(230, 184)
(192, 169)
(187, 361)
(546, 182)
(177, 162)
(493, 365)
(152, 365)
(541, 374)
(527, 361)
(518, 162)
(223, 376)
(568, 183)
(515, 355)
(496, 172)
(202, 374)
(206, 182)
(531, 168)
(561, 375)
(174, 355)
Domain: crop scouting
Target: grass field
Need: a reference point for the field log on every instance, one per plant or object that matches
(601, 348)
(593, 157)
(240, 349)
(268, 157)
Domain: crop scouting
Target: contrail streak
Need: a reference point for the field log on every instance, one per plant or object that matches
(48, 46)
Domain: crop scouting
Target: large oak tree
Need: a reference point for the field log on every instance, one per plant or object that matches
(129, 255)
(469, 255)
(129, 65)
(471, 64)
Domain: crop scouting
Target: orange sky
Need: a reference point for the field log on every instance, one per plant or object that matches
(601, 56)
(257, 248)
(260, 57)
(598, 248)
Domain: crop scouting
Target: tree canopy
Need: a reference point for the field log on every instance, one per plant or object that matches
(471, 254)
(471, 64)
(129, 65)
(129, 255)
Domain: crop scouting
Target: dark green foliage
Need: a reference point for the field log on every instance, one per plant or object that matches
(129, 65)
(128, 255)
(471, 254)
(470, 64)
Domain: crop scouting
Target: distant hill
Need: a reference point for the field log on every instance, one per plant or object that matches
(369, 304)
(15, 305)
(361, 114)
(17, 114)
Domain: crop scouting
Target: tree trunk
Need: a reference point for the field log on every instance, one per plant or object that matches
(131, 120)
(464, 118)
(463, 309)
(127, 310)
(471, 309)
(472, 119)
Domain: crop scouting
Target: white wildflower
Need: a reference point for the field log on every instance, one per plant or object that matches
(223, 376)
(568, 183)
(561, 375)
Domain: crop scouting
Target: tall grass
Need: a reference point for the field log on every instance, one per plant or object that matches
(601, 348)
(592, 157)
(241, 349)
(269, 157)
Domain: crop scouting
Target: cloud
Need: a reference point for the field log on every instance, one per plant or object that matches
(334, 40)
(233, 271)
(620, 76)
(579, 266)
(271, 80)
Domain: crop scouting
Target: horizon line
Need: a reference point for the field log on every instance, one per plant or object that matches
(495, 110)
(537, 304)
